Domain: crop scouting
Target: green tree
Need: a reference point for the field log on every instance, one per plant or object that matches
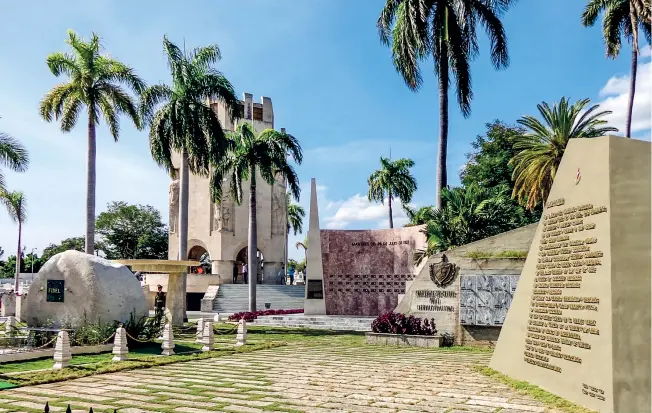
(8, 267)
(542, 146)
(95, 83)
(296, 213)
(304, 245)
(2, 252)
(32, 262)
(469, 214)
(419, 216)
(132, 232)
(181, 120)
(393, 179)
(74, 243)
(488, 165)
(265, 154)
(622, 18)
(446, 31)
(13, 155)
(16, 205)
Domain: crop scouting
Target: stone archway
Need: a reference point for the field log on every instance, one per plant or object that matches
(199, 253)
(242, 257)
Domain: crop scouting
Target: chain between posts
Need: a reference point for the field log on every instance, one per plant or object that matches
(140, 341)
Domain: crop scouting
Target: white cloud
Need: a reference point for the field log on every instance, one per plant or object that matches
(358, 210)
(645, 51)
(616, 97)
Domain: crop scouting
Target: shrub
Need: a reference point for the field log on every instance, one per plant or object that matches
(249, 316)
(90, 334)
(144, 330)
(397, 323)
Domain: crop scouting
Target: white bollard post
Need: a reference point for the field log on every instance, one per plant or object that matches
(10, 325)
(200, 329)
(217, 318)
(120, 349)
(208, 336)
(168, 340)
(241, 337)
(62, 354)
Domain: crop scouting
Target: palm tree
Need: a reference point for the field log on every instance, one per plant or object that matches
(446, 31)
(468, 214)
(296, 213)
(621, 17)
(265, 154)
(16, 205)
(182, 121)
(418, 216)
(95, 83)
(541, 148)
(303, 245)
(13, 155)
(393, 179)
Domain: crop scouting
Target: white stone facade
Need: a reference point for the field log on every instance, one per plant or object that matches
(222, 230)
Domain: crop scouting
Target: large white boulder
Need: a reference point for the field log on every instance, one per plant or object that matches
(94, 289)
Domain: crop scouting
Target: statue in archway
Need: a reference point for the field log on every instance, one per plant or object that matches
(174, 205)
(217, 217)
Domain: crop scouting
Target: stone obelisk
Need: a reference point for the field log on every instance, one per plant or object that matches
(314, 303)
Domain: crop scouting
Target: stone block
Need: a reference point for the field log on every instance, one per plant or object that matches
(62, 354)
(403, 340)
(168, 340)
(120, 349)
(579, 323)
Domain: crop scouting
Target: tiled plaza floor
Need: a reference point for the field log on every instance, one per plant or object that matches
(319, 379)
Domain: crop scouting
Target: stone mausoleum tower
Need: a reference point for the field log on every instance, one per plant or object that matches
(221, 230)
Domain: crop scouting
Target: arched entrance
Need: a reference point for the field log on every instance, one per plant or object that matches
(243, 258)
(199, 253)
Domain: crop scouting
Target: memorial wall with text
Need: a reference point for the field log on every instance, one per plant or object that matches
(579, 323)
(366, 270)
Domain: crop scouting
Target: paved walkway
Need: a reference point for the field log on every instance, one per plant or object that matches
(292, 379)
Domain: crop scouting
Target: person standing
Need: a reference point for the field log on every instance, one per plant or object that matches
(235, 273)
(159, 302)
(291, 274)
(245, 273)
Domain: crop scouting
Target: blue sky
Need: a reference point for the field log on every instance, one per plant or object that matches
(331, 81)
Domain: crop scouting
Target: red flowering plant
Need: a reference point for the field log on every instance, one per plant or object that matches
(397, 323)
(251, 316)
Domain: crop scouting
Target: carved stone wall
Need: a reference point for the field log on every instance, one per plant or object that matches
(174, 205)
(278, 210)
(365, 271)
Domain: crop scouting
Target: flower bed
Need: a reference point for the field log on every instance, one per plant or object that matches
(249, 316)
(397, 323)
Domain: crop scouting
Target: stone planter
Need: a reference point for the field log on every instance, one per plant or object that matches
(403, 340)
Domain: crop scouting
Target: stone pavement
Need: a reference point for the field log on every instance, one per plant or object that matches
(317, 379)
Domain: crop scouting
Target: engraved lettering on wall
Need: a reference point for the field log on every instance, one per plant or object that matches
(566, 256)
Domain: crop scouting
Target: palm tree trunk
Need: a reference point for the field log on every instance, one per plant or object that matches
(443, 124)
(18, 256)
(253, 242)
(90, 187)
(632, 90)
(391, 219)
(183, 220)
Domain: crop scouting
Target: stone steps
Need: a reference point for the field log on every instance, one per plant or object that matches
(233, 298)
(316, 322)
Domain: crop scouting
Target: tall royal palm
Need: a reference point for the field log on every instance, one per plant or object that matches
(446, 31)
(13, 155)
(542, 146)
(17, 208)
(392, 180)
(265, 154)
(95, 84)
(182, 121)
(621, 17)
